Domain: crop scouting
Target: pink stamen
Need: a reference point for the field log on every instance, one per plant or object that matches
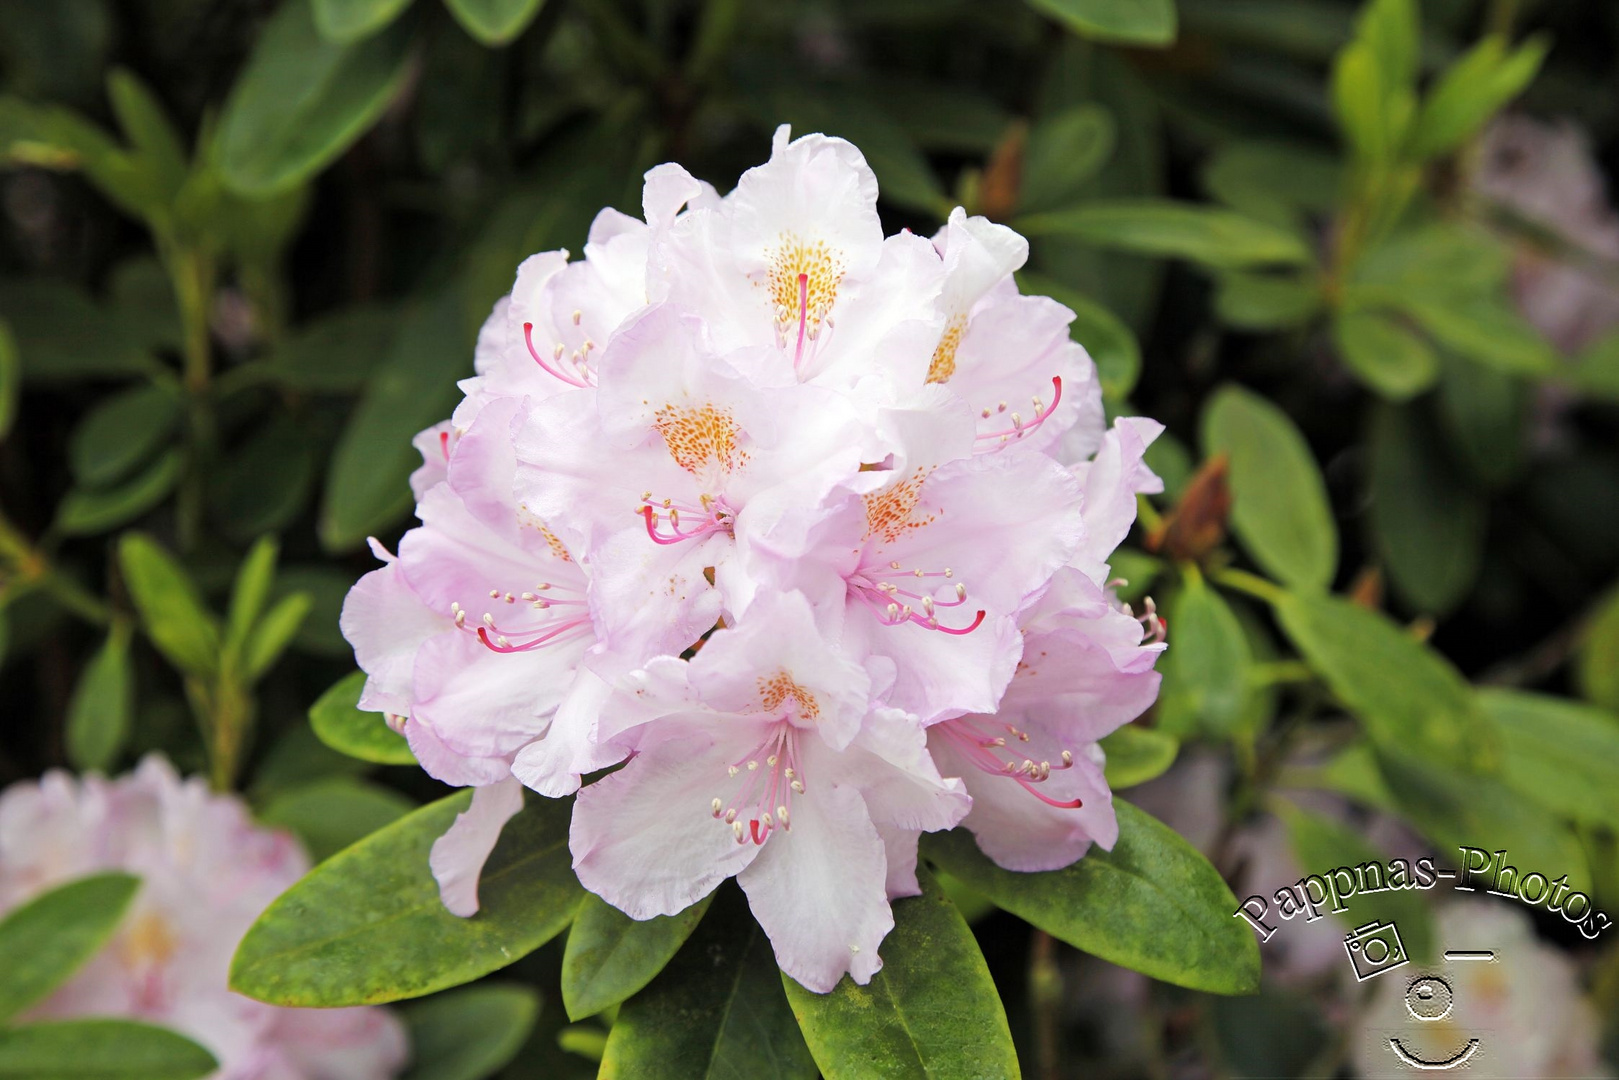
(803, 317)
(571, 380)
(717, 521)
(1018, 430)
(444, 444)
(980, 750)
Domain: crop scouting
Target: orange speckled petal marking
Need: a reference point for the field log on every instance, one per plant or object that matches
(822, 268)
(944, 355)
(700, 437)
(890, 513)
(774, 692)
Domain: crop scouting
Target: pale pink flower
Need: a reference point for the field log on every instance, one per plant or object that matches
(1009, 356)
(207, 872)
(1034, 768)
(652, 473)
(767, 757)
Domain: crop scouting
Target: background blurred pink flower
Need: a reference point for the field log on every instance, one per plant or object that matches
(206, 871)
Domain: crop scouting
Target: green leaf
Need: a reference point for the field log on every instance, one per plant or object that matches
(1126, 22)
(471, 1033)
(367, 926)
(302, 101)
(1427, 522)
(98, 716)
(273, 634)
(171, 610)
(611, 956)
(1596, 664)
(1440, 259)
(1360, 100)
(1137, 754)
(53, 137)
(1408, 697)
(1561, 754)
(1279, 503)
(1596, 372)
(1486, 330)
(494, 22)
(253, 580)
(1471, 91)
(100, 1050)
(329, 815)
(1453, 810)
(1384, 355)
(141, 299)
(1266, 301)
(83, 512)
(1153, 904)
(1391, 29)
(121, 433)
(368, 486)
(148, 128)
(1485, 413)
(1214, 237)
(339, 723)
(264, 482)
(1321, 845)
(1064, 151)
(1276, 182)
(717, 1011)
(62, 334)
(1110, 342)
(335, 354)
(347, 21)
(10, 379)
(932, 1012)
(1205, 686)
(43, 942)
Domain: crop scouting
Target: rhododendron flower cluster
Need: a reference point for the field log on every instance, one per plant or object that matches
(805, 527)
(207, 872)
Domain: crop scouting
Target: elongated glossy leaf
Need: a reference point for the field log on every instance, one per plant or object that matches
(1452, 810)
(368, 487)
(1209, 235)
(1321, 845)
(100, 1050)
(329, 815)
(611, 956)
(348, 21)
(171, 611)
(1152, 904)
(1486, 330)
(1472, 90)
(494, 22)
(338, 721)
(1250, 301)
(98, 716)
(470, 1033)
(931, 1013)
(1561, 754)
(87, 511)
(367, 926)
(1064, 151)
(1137, 754)
(46, 940)
(1485, 413)
(1427, 521)
(147, 126)
(303, 100)
(10, 378)
(1596, 665)
(1409, 698)
(336, 354)
(63, 335)
(273, 634)
(1385, 355)
(1128, 22)
(1279, 500)
(1205, 686)
(717, 1011)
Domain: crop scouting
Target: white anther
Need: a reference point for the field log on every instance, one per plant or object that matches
(798, 786)
(768, 821)
(732, 770)
(556, 353)
(510, 599)
(489, 620)
(460, 618)
(741, 836)
(961, 591)
(1067, 758)
(949, 573)
(893, 566)
(752, 765)
(730, 816)
(771, 760)
(718, 807)
(501, 641)
(530, 596)
(577, 314)
(494, 594)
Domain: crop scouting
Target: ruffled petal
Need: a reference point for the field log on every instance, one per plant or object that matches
(458, 856)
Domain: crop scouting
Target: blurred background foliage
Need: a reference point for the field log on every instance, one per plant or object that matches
(245, 246)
